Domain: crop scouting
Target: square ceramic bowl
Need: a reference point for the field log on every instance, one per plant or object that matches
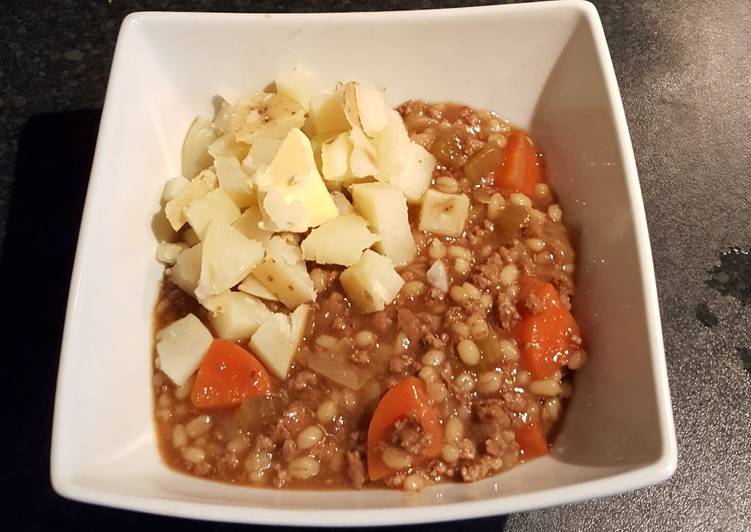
(545, 67)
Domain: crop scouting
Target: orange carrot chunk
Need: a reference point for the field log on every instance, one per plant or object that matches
(228, 374)
(532, 440)
(521, 169)
(544, 337)
(407, 397)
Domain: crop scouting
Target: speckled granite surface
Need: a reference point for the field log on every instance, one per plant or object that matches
(685, 76)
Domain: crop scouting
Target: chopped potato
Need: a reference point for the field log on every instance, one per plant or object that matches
(227, 145)
(335, 155)
(278, 338)
(284, 274)
(172, 188)
(249, 225)
(338, 241)
(239, 317)
(216, 206)
(234, 181)
(228, 257)
(261, 154)
(181, 346)
(167, 252)
(372, 283)
(294, 197)
(444, 214)
(342, 203)
(252, 286)
(187, 269)
(266, 115)
(327, 114)
(296, 84)
(198, 187)
(385, 209)
(365, 107)
(195, 154)
(362, 158)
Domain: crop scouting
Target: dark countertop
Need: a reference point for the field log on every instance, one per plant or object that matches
(685, 76)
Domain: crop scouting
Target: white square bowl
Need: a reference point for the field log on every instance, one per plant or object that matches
(545, 67)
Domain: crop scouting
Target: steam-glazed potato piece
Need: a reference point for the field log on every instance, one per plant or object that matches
(372, 283)
(296, 84)
(338, 241)
(266, 115)
(234, 181)
(228, 257)
(198, 187)
(215, 206)
(239, 317)
(181, 346)
(385, 209)
(195, 155)
(444, 214)
(284, 274)
(276, 341)
(187, 269)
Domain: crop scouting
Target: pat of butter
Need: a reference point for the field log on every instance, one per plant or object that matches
(293, 196)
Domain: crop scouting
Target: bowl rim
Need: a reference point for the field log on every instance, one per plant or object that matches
(649, 474)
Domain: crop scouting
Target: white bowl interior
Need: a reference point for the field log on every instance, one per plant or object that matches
(541, 66)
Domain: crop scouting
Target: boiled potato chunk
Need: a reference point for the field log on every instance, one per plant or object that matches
(401, 162)
(228, 257)
(444, 214)
(295, 197)
(385, 208)
(234, 181)
(278, 338)
(195, 153)
(365, 107)
(187, 269)
(284, 274)
(327, 114)
(335, 154)
(338, 241)
(167, 252)
(296, 84)
(239, 317)
(172, 188)
(266, 115)
(252, 286)
(226, 145)
(223, 116)
(372, 283)
(249, 225)
(197, 188)
(261, 154)
(216, 206)
(181, 346)
(342, 203)
(362, 158)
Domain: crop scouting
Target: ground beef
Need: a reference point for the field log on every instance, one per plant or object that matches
(382, 321)
(506, 310)
(292, 421)
(355, 469)
(410, 436)
(489, 276)
(302, 380)
(481, 468)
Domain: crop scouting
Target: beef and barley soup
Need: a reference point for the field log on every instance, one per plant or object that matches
(359, 296)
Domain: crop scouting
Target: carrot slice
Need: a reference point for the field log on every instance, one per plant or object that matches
(228, 374)
(544, 338)
(531, 439)
(407, 397)
(521, 169)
